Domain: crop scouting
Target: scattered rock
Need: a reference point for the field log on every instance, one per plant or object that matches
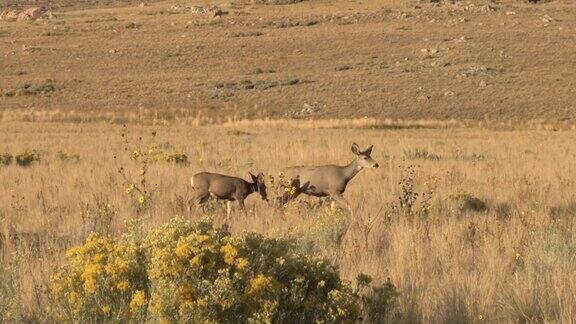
(423, 98)
(307, 110)
(510, 13)
(488, 8)
(27, 49)
(482, 84)
(178, 8)
(29, 14)
(547, 19)
(213, 11)
(9, 15)
(449, 93)
(142, 5)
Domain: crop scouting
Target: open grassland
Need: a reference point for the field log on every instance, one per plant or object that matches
(476, 60)
(470, 224)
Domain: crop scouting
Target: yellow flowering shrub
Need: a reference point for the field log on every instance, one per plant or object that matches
(100, 279)
(193, 272)
(202, 274)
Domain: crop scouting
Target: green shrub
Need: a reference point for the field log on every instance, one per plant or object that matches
(6, 159)
(27, 157)
(65, 157)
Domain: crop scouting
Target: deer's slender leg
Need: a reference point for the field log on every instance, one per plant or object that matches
(242, 206)
(340, 200)
(228, 210)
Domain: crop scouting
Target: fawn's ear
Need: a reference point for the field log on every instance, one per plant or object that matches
(260, 177)
(254, 178)
(368, 151)
(355, 148)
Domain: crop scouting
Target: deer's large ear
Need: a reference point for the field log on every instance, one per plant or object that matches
(260, 177)
(254, 178)
(368, 151)
(355, 148)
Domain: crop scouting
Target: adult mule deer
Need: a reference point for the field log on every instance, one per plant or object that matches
(331, 180)
(227, 188)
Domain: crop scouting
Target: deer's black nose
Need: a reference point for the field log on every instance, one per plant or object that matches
(376, 165)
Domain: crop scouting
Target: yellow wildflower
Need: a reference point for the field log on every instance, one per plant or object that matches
(196, 261)
(130, 189)
(90, 285)
(242, 264)
(260, 284)
(141, 200)
(106, 310)
(138, 300)
(123, 285)
(183, 249)
(201, 302)
(72, 298)
(203, 238)
(230, 253)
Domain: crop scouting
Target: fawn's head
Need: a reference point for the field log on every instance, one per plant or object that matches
(260, 185)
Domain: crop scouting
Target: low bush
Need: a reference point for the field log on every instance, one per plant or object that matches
(104, 280)
(193, 272)
(6, 159)
(67, 157)
(465, 202)
(27, 157)
(420, 154)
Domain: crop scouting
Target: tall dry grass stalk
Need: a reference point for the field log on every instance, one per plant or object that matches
(452, 261)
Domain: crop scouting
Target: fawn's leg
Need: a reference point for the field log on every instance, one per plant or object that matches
(199, 199)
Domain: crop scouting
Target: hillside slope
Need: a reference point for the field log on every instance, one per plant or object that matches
(314, 59)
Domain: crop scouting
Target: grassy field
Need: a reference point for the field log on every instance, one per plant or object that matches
(490, 235)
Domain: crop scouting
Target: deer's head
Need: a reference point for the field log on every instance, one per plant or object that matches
(260, 185)
(364, 159)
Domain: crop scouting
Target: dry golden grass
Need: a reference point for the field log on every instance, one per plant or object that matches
(513, 262)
